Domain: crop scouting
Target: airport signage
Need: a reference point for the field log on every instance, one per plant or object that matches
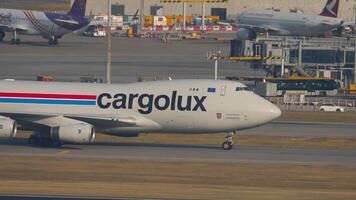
(147, 102)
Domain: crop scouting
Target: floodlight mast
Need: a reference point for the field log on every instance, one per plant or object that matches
(109, 46)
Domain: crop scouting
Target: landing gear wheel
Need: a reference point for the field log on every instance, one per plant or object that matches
(40, 141)
(227, 145)
(33, 140)
(228, 142)
(53, 41)
(14, 39)
(2, 36)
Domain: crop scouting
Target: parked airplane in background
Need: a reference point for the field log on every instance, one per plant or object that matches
(71, 112)
(51, 26)
(288, 23)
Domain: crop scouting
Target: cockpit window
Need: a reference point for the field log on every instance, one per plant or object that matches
(238, 89)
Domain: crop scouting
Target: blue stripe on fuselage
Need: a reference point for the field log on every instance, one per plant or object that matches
(48, 101)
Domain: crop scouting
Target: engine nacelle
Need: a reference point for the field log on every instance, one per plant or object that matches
(8, 127)
(78, 133)
(245, 34)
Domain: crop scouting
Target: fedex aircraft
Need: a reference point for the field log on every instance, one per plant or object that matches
(288, 23)
(51, 26)
(73, 112)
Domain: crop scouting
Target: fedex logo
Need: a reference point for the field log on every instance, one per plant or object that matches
(147, 102)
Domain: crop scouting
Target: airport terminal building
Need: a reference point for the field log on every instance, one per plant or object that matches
(225, 9)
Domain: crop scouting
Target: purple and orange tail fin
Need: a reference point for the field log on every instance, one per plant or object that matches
(331, 9)
(78, 8)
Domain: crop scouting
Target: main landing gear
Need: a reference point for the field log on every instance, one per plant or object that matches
(14, 39)
(2, 35)
(53, 41)
(39, 140)
(228, 142)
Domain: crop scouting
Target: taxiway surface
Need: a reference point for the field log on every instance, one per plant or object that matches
(209, 153)
(182, 153)
(78, 56)
(305, 129)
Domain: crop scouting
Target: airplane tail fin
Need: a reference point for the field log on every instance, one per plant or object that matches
(331, 9)
(78, 8)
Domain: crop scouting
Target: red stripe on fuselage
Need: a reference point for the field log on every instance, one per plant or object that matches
(48, 96)
(37, 26)
(43, 27)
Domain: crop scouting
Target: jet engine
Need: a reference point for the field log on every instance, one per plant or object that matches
(78, 133)
(245, 34)
(8, 127)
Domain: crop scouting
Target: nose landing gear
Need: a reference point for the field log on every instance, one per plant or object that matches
(228, 142)
(53, 40)
(14, 39)
(2, 35)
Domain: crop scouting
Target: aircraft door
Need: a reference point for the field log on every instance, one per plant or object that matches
(223, 90)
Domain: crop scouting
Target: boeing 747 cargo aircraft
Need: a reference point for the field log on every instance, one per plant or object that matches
(288, 23)
(51, 26)
(73, 112)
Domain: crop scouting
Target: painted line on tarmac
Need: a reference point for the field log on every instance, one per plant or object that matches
(34, 197)
(312, 123)
(62, 153)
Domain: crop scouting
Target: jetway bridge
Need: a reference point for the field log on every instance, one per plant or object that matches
(314, 57)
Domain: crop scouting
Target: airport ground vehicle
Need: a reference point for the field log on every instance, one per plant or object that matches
(178, 20)
(307, 85)
(331, 108)
(95, 31)
(73, 112)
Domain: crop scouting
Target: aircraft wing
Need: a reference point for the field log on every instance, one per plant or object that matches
(13, 27)
(326, 22)
(54, 120)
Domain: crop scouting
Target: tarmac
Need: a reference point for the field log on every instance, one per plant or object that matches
(34, 197)
(78, 56)
(304, 129)
(208, 153)
(183, 153)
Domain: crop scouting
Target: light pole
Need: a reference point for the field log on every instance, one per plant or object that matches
(355, 64)
(142, 17)
(216, 57)
(203, 15)
(109, 48)
(184, 14)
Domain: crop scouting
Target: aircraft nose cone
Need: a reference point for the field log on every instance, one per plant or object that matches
(266, 111)
(274, 111)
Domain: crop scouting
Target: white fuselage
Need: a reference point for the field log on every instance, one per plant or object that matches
(290, 23)
(178, 106)
(30, 23)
